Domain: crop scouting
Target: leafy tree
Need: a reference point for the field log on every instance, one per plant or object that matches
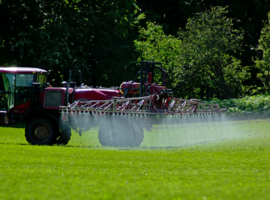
(170, 14)
(264, 64)
(50, 34)
(155, 45)
(200, 57)
(247, 15)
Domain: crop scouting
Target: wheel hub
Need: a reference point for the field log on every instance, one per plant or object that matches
(41, 132)
(115, 134)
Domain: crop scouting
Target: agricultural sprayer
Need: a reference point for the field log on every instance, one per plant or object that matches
(121, 113)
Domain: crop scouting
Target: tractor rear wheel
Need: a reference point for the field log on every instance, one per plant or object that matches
(64, 136)
(40, 131)
(114, 133)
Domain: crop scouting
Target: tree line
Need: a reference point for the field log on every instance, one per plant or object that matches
(210, 48)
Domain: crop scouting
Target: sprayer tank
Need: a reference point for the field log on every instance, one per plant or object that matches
(95, 94)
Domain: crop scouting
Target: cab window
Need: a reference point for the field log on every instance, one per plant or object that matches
(24, 80)
(41, 78)
(9, 84)
(23, 88)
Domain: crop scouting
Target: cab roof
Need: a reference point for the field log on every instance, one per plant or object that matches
(22, 70)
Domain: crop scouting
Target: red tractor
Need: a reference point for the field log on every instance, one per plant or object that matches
(121, 113)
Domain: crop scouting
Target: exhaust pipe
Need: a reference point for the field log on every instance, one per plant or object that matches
(73, 74)
(68, 87)
(80, 74)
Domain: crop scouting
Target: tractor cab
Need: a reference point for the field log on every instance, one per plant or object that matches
(19, 85)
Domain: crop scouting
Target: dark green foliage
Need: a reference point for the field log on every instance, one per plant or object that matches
(171, 14)
(247, 15)
(207, 45)
(246, 105)
(199, 60)
(51, 34)
(264, 64)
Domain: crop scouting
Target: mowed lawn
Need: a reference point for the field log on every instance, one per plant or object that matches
(229, 160)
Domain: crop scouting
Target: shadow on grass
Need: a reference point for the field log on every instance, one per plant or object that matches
(146, 147)
(181, 146)
(14, 143)
(117, 148)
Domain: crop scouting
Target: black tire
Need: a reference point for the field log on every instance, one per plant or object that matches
(137, 135)
(40, 131)
(64, 136)
(115, 133)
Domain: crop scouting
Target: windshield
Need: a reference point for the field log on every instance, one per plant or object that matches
(24, 80)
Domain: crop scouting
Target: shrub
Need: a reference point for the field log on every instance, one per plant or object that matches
(245, 105)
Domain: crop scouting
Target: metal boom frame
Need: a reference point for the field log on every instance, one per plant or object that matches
(142, 105)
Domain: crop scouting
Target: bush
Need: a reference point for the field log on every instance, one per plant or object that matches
(245, 105)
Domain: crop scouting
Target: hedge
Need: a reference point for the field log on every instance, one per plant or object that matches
(245, 105)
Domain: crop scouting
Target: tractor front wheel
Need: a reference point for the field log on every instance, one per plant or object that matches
(40, 131)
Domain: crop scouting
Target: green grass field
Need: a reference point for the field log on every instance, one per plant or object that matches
(229, 160)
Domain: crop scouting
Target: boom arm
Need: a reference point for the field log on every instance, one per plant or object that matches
(142, 105)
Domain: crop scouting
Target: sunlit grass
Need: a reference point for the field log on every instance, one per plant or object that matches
(187, 161)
